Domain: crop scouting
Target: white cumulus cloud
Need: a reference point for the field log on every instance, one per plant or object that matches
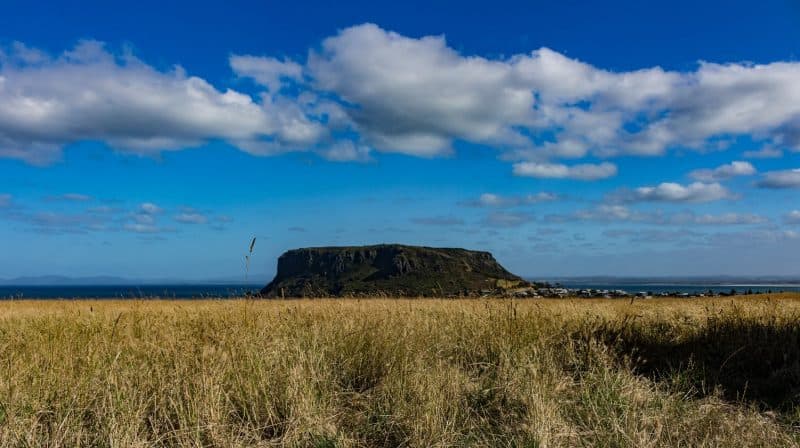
(368, 87)
(89, 93)
(419, 95)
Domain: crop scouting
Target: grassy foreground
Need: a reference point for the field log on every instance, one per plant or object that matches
(531, 373)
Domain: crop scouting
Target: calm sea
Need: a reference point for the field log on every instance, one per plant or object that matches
(127, 291)
(186, 291)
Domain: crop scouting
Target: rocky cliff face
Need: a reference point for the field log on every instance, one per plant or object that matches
(388, 270)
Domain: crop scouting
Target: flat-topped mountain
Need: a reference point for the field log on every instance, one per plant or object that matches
(388, 270)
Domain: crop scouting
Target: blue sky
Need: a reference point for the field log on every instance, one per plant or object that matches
(153, 139)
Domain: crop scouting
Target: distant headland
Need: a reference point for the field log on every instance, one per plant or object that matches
(390, 270)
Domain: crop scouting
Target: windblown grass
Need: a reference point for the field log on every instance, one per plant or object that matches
(533, 373)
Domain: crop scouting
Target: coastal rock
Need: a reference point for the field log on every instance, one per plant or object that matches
(390, 270)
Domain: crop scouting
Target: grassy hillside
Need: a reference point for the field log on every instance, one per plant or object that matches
(330, 373)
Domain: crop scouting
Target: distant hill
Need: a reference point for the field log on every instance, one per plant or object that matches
(388, 269)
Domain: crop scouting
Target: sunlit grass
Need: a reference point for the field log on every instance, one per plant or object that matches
(401, 372)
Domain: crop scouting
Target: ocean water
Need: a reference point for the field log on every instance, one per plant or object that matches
(183, 291)
(206, 291)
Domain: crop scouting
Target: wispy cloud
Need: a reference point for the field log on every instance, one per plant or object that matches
(70, 197)
(601, 213)
(150, 209)
(346, 151)
(737, 239)
(52, 222)
(696, 192)
(723, 219)
(780, 179)
(766, 152)
(103, 209)
(444, 221)
(191, 218)
(507, 219)
(548, 231)
(220, 222)
(586, 171)
(269, 72)
(660, 236)
(144, 218)
(495, 200)
(620, 213)
(793, 217)
(189, 215)
(140, 227)
(724, 172)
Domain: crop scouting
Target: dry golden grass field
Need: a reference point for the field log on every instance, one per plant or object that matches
(385, 373)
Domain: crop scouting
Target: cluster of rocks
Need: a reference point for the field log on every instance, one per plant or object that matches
(690, 295)
(560, 293)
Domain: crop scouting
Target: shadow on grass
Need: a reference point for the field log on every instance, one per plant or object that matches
(753, 361)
